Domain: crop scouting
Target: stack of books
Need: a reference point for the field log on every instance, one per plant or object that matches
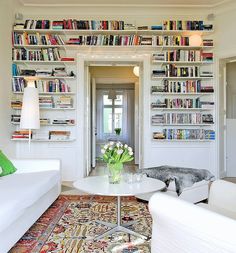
(207, 119)
(207, 56)
(16, 104)
(59, 135)
(43, 72)
(178, 103)
(65, 102)
(15, 118)
(44, 121)
(63, 121)
(183, 25)
(208, 43)
(46, 102)
(59, 72)
(158, 119)
(158, 73)
(22, 134)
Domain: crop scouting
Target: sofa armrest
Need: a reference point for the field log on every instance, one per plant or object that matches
(223, 195)
(181, 227)
(36, 165)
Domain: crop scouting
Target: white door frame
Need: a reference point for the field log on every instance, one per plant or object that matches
(222, 56)
(111, 58)
(136, 106)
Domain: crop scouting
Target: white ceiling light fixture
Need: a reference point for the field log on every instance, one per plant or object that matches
(195, 40)
(112, 94)
(136, 71)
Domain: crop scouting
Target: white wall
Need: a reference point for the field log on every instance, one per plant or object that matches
(184, 154)
(6, 21)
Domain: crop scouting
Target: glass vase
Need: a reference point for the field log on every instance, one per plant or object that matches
(114, 172)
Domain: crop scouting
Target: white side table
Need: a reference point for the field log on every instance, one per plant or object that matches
(99, 185)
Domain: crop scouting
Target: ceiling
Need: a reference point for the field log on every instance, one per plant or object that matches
(164, 3)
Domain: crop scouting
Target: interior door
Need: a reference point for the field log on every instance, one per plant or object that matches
(89, 122)
(231, 119)
(94, 125)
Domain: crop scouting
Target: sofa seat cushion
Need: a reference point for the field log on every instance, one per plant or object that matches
(20, 191)
(219, 210)
(172, 186)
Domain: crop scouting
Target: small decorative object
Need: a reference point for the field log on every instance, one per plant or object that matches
(115, 154)
(117, 130)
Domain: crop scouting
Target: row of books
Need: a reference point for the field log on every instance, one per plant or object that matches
(46, 54)
(171, 70)
(52, 86)
(50, 135)
(74, 24)
(105, 40)
(56, 85)
(57, 72)
(177, 40)
(190, 86)
(185, 134)
(36, 39)
(183, 55)
(112, 40)
(180, 103)
(192, 25)
(47, 102)
(182, 118)
(15, 118)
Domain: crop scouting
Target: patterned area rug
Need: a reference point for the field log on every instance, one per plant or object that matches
(69, 226)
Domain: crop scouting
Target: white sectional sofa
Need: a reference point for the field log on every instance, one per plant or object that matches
(181, 227)
(25, 196)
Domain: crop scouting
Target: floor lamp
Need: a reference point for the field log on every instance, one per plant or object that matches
(30, 109)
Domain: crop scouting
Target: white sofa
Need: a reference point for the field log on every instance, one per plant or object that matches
(25, 196)
(181, 227)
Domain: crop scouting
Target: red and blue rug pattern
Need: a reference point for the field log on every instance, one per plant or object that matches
(69, 226)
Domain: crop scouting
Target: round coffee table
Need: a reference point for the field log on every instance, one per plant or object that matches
(99, 185)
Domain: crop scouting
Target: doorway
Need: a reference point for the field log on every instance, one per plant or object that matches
(114, 104)
(227, 120)
(115, 114)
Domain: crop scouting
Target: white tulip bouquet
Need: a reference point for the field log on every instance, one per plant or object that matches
(116, 152)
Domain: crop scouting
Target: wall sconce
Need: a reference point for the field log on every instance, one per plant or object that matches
(136, 71)
(195, 40)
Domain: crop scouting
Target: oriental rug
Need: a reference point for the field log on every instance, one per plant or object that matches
(69, 226)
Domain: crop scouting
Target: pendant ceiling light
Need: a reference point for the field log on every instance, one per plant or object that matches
(112, 94)
(136, 71)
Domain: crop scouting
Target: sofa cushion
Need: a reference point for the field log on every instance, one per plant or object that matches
(6, 166)
(19, 191)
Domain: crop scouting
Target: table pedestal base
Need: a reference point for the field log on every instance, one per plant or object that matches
(114, 228)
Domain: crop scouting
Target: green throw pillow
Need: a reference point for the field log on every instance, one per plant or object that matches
(6, 166)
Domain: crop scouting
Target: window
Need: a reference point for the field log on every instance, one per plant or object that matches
(112, 114)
